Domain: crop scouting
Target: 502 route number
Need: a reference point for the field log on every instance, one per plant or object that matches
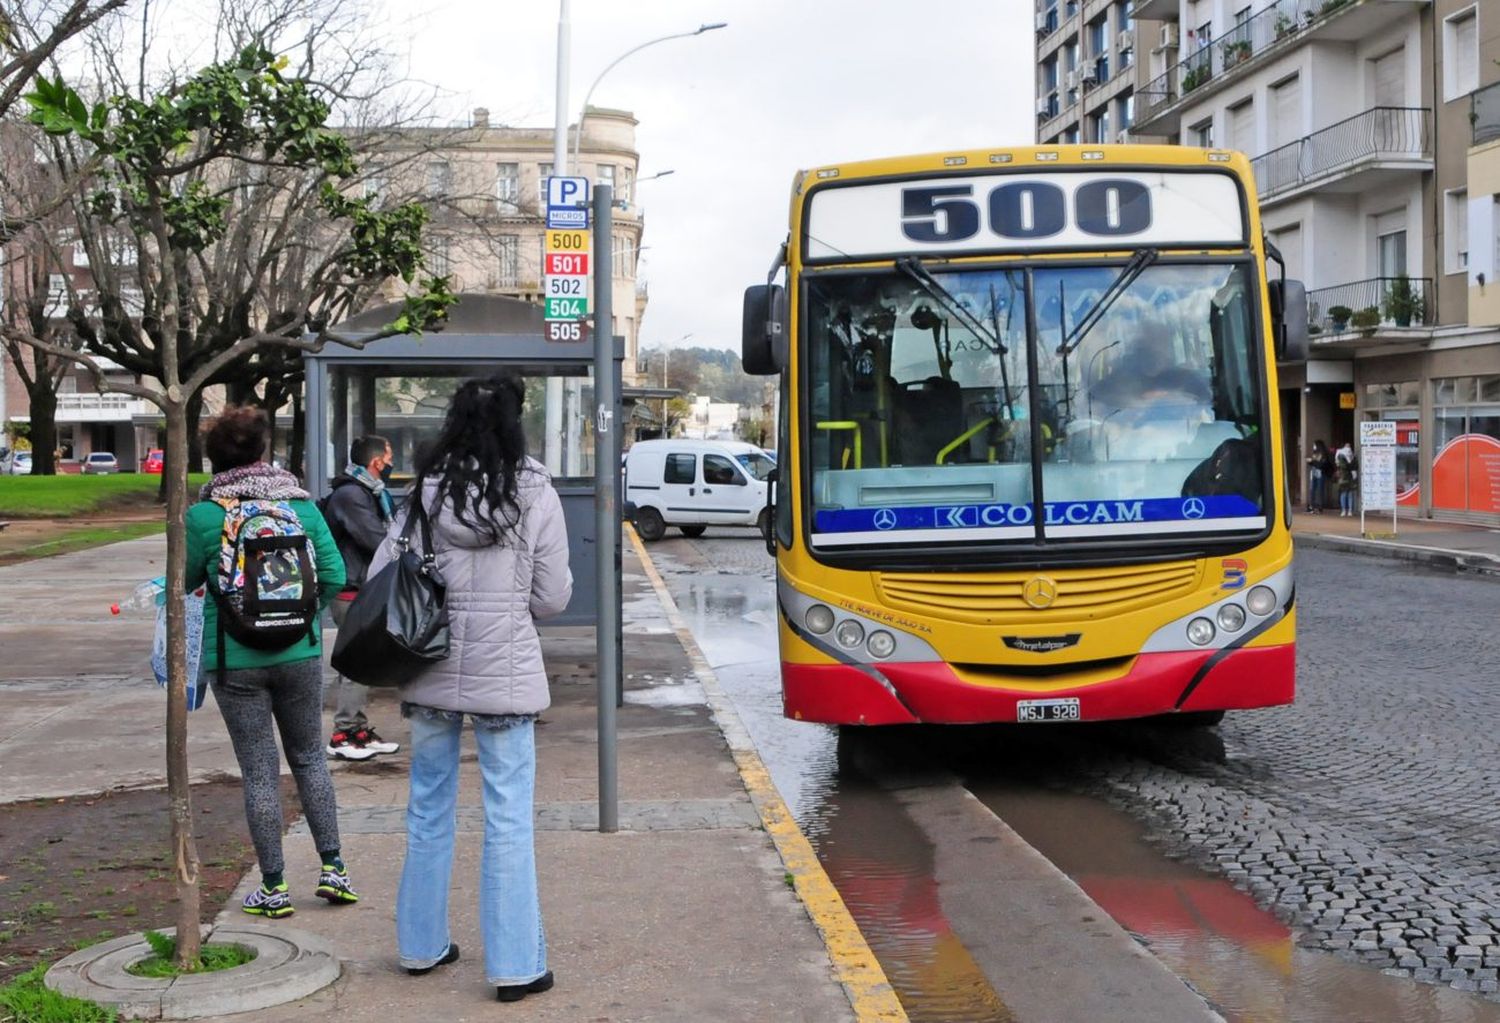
(1025, 209)
(564, 287)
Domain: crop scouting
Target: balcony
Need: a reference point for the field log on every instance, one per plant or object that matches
(1353, 155)
(102, 408)
(1484, 114)
(1377, 300)
(1279, 27)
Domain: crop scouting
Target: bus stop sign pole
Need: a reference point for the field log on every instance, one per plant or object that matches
(607, 486)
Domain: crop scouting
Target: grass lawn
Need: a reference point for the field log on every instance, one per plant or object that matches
(27, 1000)
(45, 497)
(81, 539)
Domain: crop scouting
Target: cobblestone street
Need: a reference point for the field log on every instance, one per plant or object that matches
(1364, 815)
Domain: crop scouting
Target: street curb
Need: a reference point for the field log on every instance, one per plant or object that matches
(289, 965)
(1436, 557)
(864, 981)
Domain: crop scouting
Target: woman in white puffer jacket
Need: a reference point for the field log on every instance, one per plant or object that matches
(502, 549)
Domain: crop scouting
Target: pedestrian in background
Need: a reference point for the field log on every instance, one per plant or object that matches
(1346, 476)
(359, 511)
(261, 692)
(1318, 468)
(502, 549)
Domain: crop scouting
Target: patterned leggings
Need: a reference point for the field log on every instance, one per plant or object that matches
(292, 694)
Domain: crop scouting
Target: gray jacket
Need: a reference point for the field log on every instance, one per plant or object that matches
(495, 595)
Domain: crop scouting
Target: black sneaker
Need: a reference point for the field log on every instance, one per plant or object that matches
(516, 992)
(367, 738)
(450, 956)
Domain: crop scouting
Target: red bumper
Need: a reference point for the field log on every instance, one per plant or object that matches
(895, 694)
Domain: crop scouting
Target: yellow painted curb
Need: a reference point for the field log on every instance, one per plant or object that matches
(859, 972)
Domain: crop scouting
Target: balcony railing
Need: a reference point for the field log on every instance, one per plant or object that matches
(1484, 114)
(1378, 133)
(1244, 41)
(1383, 295)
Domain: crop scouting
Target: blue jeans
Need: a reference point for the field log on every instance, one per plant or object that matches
(510, 915)
(1315, 489)
(1346, 501)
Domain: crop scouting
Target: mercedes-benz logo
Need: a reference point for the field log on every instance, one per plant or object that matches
(1193, 508)
(1039, 592)
(885, 519)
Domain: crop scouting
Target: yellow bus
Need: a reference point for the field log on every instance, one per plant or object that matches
(1030, 456)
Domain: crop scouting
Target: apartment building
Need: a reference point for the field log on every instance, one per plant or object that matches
(1362, 119)
(484, 185)
(1086, 60)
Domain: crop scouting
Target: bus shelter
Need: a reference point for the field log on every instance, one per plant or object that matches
(399, 388)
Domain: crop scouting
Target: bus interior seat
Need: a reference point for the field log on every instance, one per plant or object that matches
(929, 418)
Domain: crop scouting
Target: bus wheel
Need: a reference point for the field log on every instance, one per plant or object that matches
(763, 523)
(692, 532)
(650, 524)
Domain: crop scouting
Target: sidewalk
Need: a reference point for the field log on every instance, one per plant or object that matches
(687, 913)
(1448, 545)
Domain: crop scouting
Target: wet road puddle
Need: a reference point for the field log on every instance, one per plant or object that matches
(1240, 957)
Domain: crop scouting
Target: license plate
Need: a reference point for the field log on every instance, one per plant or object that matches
(1064, 709)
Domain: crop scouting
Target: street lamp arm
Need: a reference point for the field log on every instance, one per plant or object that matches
(583, 111)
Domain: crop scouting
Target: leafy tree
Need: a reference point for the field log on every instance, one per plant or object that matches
(168, 161)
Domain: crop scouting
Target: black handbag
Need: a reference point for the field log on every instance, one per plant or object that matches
(397, 624)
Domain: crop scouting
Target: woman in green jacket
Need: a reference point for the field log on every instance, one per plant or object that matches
(259, 687)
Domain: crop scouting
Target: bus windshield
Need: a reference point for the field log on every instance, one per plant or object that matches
(1137, 404)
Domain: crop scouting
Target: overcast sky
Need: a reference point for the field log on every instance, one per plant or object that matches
(735, 112)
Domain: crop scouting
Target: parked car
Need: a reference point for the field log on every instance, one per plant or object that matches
(694, 484)
(153, 462)
(19, 464)
(100, 463)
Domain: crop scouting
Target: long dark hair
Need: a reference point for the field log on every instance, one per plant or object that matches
(477, 455)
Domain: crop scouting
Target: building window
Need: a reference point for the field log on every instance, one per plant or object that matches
(1202, 134)
(1461, 54)
(80, 254)
(605, 174)
(1125, 19)
(624, 256)
(1126, 106)
(437, 260)
(627, 184)
(1099, 126)
(508, 251)
(439, 178)
(1390, 244)
(1456, 230)
(541, 184)
(508, 182)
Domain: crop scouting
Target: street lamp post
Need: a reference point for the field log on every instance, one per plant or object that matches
(584, 110)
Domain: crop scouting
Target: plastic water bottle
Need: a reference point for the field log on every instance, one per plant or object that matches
(143, 599)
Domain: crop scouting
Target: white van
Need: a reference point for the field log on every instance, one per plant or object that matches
(694, 484)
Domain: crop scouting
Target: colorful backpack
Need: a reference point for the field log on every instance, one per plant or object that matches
(267, 581)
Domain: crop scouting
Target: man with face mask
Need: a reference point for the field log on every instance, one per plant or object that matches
(358, 512)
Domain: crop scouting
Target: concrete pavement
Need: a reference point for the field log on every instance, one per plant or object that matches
(1448, 545)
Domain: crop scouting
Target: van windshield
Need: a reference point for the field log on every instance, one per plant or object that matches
(758, 465)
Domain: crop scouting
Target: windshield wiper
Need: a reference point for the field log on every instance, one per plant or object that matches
(1127, 276)
(913, 268)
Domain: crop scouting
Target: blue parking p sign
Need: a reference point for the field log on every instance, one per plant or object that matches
(567, 202)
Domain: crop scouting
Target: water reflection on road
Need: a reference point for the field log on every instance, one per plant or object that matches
(1240, 957)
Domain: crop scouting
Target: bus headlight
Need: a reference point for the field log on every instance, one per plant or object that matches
(1231, 617)
(881, 643)
(1261, 600)
(1200, 631)
(850, 634)
(819, 619)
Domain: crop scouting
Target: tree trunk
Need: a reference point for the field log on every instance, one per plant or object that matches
(43, 398)
(194, 410)
(179, 794)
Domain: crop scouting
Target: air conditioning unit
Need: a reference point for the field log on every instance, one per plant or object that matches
(1043, 107)
(1125, 41)
(1168, 36)
(1072, 79)
(1122, 137)
(1090, 78)
(1041, 23)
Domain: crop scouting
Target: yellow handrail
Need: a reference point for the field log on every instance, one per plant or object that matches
(965, 436)
(852, 425)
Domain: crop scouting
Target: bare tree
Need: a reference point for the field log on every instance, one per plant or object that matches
(172, 164)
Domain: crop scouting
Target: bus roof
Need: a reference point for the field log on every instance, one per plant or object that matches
(1002, 158)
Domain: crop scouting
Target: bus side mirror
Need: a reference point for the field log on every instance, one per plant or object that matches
(763, 341)
(772, 478)
(1289, 320)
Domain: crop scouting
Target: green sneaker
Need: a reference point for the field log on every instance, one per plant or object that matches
(333, 885)
(272, 902)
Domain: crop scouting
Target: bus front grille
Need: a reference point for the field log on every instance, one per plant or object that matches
(992, 598)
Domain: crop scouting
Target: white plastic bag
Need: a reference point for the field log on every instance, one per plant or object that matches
(196, 686)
